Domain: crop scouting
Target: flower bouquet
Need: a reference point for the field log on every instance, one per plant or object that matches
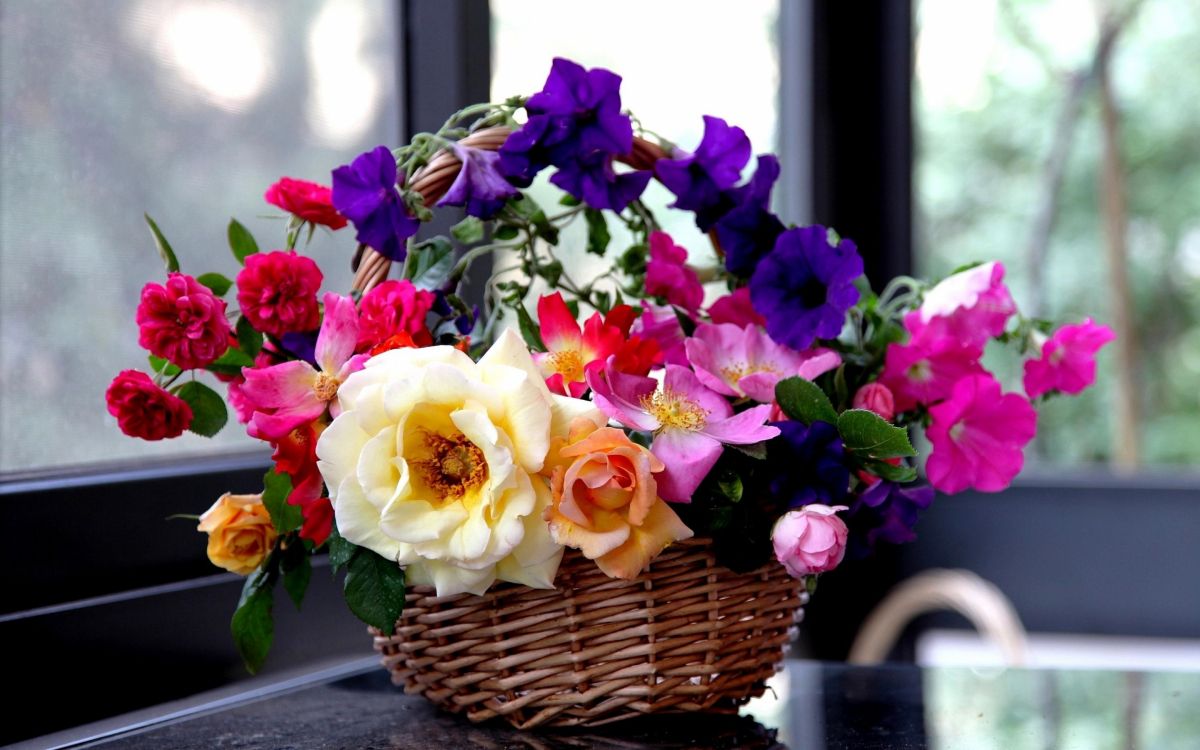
(572, 523)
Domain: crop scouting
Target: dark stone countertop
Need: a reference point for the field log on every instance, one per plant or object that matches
(811, 705)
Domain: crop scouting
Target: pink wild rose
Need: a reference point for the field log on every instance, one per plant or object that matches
(278, 292)
(183, 321)
(972, 305)
(810, 540)
(737, 361)
(978, 436)
(667, 274)
(1068, 361)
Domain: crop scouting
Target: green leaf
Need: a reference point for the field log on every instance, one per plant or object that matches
(685, 321)
(217, 283)
(753, 450)
(276, 488)
(241, 242)
(506, 232)
(252, 626)
(468, 231)
(374, 590)
(250, 341)
(163, 367)
(804, 401)
(730, 485)
(296, 577)
(231, 362)
(529, 330)
(598, 236)
(901, 474)
(164, 247)
(340, 550)
(208, 409)
(569, 200)
(430, 262)
(868, 433)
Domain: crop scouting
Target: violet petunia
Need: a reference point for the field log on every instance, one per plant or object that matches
(743, 361)
(479, 186)
(978, 436)
(748, 231)
(593, 180)
(700, 181)
(806, 464)
(886, 512)
(365, 192)
(690, 422)
(288, 396)
(805, 285)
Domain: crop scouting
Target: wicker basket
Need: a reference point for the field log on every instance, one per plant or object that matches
(688, 635)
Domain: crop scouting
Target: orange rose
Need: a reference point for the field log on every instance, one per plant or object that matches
(240, 533)
(605, 500)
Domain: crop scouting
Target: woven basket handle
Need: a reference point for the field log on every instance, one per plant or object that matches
(433, 180)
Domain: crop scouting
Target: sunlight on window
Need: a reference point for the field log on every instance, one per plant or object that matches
(345, 85)
(952, 52)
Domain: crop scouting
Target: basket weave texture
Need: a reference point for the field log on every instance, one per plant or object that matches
(687, 635)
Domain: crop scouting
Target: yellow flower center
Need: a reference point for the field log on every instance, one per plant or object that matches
(568, 363)
(455, 466)
(326, 386)
(919, 371)
(674, 410)
(736, 372)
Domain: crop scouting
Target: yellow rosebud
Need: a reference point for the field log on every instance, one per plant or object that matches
(240, 533)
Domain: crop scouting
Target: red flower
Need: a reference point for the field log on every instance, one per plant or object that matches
(278, 292)
(392, 308)
(296, 456)
(307, 200)
(145, 410)
(183, 321)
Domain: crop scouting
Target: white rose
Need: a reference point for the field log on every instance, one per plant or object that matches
(433, 463)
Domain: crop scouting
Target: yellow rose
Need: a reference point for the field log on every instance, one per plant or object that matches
(433, 462)
(605, 500)
(240, 533)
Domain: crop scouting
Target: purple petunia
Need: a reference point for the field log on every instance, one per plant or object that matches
(576, 124)
(364, 191)
(886, 512)
(748, 232)
(479, 185)
(805, 285)
(807, 464)
(701, 181)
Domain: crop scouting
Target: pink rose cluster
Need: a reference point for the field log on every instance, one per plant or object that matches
(977, 431)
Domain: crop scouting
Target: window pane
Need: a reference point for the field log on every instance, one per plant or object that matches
(184, 110)
(1005, 96)
(712, 58)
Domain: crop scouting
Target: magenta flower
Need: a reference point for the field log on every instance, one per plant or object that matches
(972, 306)
(745, 361)
(183, 321)
(659, 323)
(735, 308)
(690, 422)
(925, 369)
(978, 436)
(293, 394)
(1068, 361)
(667, 274)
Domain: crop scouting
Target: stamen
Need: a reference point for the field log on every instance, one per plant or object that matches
(326, 386)
(675, 410)
(455, 466)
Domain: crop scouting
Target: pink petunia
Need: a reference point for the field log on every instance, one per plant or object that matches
(1068, 361)
(745, 361)
(660, 324)
(287, 396)
(925, 369)
(690, 422)
(972, 306)
(667, 274)
(978, 436)
(735, 308)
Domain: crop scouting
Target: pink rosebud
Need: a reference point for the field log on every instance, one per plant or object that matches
(667, 274)
(978, 436)
(392, 308)
(278, 292)
(306, 200)
(810, 540)
(144, 410)
(1068, 361)
(972, 306)
(876, 397)
(735, 308)
(183, 321)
